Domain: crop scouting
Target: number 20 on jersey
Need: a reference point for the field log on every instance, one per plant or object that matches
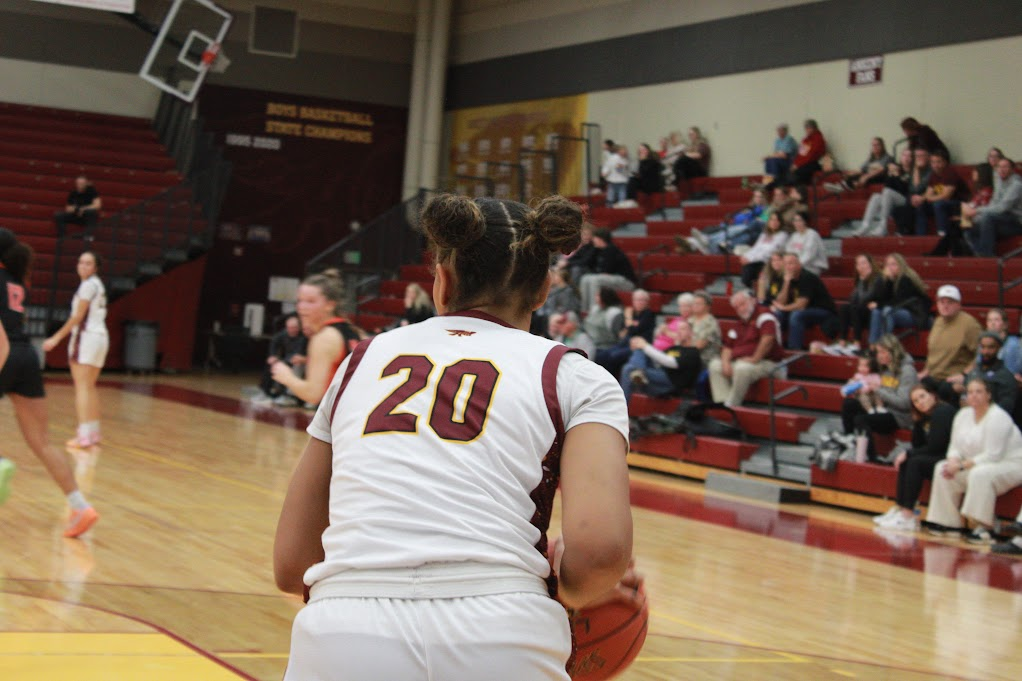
(462, 393)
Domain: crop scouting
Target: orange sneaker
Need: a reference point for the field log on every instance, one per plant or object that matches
(80, 521)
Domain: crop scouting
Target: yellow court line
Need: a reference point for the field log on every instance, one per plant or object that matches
(727, 637)
(156, 458)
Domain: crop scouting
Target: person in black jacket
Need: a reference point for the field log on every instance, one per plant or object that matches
(902, 302)
(931, 435)
(583, 259)
(611, 268)
(650, 176)
(639, 322)
(855, 314)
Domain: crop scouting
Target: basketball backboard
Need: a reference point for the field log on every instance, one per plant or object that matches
(187, 47)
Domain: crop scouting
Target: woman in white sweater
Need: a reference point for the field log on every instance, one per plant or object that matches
(983, 461)
(807, 244)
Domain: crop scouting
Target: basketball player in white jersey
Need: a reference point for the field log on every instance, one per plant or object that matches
(87, 348)
(417, 516)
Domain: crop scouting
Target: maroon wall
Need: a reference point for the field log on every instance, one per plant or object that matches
(336, 162)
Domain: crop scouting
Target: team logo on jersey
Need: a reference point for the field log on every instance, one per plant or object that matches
(460, 332)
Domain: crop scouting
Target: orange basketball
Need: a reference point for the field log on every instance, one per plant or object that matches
(607, 639)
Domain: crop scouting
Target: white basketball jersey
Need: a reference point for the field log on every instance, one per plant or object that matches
(93, 291)
(440, 432)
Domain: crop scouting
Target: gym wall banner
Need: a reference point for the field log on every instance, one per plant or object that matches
(489, 143)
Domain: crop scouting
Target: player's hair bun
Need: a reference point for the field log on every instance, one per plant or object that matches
(452, 221)
(557, 224)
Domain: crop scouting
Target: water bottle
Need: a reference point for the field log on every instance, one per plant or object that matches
(851, 388)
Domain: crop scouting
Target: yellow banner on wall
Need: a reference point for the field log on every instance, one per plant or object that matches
(514, 146)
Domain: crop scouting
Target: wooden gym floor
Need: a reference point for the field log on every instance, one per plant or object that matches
(175, 581)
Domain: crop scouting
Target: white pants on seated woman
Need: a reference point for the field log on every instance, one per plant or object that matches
(590, 284)
(515, 636)
(980, 487)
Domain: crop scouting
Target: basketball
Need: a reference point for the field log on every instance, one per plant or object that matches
(608, 638)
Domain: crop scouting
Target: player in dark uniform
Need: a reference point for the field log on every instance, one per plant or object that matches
(22, 380)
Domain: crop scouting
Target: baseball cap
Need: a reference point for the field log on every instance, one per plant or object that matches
(949, 291)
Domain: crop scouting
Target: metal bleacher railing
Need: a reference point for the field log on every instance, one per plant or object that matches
(177, 224)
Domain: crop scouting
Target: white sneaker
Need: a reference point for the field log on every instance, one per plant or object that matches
(834, 187)
(700, 238)
(891, 511)
(900, 522)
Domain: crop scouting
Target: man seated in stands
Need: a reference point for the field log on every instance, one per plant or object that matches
(803, 302)
(750, 352)
(610, 267)
(1000, 218)
(83, 206)
(662, 373)
(952, 344)
(565, 328)
(945, 191)
(1003, 388)
(785, 147)
(288, 346)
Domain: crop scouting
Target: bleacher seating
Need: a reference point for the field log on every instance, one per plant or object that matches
(41, 152)
(665, 274)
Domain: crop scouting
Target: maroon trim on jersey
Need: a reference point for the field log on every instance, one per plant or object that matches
(356, 357)
(479, 314)
(543, 495)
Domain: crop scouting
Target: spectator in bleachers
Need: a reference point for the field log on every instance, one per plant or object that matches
(855, 315)
(945, 191)
(931, 435)
(903, 210)
(610, 267)
(777, 164)
(880, 205)
(1002, 217)
(615, 172)
(583, 259)
(649, 178)
(897, 376)
(993, 156)
(992, 369)
(806, 243)
(675, 147)
(922, 136)
(951, 347)
(705, 327)
(771, 240)
(771, 279)
(562, 298)
(954, 241)
(639, 320)
(570, 333)
(662, 373)
(685, 305)
(743, 227)
(287, 345)
(984, 460)
(750, 351)
(902, 301)
(872, 171)
(694, 161)
(982, 191)
(807, 162)
(803, 302)
(418, 306)
(83, 206)
(1011, 349)
(606, 319)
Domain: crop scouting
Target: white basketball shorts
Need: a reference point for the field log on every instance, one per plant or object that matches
(88, 347)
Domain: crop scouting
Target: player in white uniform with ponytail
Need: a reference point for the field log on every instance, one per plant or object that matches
(87, 348)
(416, 519)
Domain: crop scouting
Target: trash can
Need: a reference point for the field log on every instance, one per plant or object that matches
(140, 345)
